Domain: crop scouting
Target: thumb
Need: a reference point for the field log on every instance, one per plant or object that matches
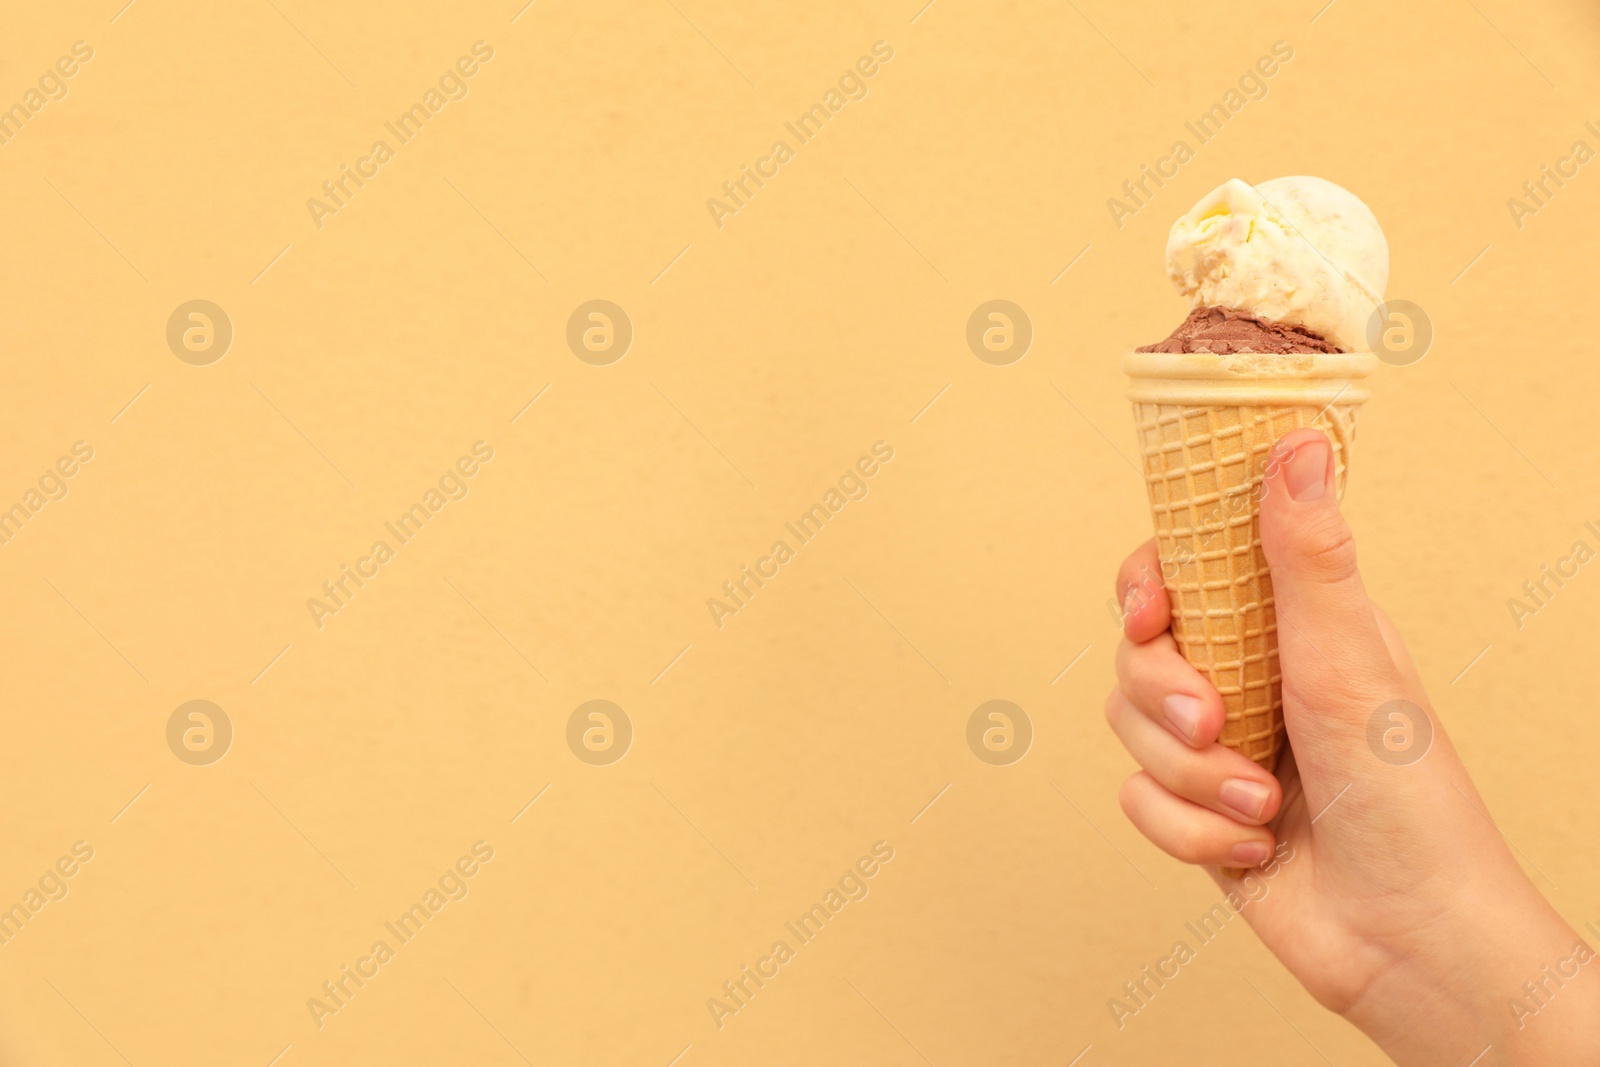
(1332, 653)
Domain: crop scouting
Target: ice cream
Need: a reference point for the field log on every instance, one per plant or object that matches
(1295, 251)
(1224, 331)
(1284, 278)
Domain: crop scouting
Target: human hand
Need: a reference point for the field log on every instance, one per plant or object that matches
(1394, 900)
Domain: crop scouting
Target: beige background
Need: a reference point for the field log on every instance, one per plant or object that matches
(371, 753)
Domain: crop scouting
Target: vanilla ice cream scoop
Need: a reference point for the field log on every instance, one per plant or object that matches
(1298, 251)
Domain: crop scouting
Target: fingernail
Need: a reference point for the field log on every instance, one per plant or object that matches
(1183, 712)
(1244, 796)
(1307, 472)
(1251, 853)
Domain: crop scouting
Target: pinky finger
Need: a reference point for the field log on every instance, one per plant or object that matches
(1187, 831)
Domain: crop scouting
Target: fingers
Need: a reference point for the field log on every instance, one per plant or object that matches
(1328, 633)
(1189, 832)
(1146, 611)
(1149, 667)
(1162, 685)
(1213, 777)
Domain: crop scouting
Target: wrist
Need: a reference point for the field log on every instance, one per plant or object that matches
(1511, 983)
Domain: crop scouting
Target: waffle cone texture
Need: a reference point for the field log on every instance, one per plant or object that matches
(1206, 426)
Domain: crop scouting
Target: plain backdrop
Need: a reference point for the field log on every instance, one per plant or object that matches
(769, 353)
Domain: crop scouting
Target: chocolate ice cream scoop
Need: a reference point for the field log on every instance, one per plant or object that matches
(1224, 331)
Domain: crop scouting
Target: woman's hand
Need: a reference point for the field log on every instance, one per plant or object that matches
(1394, 899)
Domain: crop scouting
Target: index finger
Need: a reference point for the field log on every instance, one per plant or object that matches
(1146, 611)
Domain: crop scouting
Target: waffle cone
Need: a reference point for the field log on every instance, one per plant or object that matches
(1206, 426)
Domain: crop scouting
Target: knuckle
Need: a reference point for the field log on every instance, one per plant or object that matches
(1149, 665)
(1151, 668)
(1328, 552)
(1188, 844)
(1120, 660)
(1113, 707)
(1131, 676)
(1127, 798)
(1191, 783)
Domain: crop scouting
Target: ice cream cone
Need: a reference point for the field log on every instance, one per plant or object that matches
(1206, 425)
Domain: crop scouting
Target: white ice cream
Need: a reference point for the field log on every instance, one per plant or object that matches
(1300, 251)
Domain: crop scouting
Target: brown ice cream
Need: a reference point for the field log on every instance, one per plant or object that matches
(1224, 331)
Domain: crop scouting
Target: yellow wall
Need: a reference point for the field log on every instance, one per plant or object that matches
(769, 356)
